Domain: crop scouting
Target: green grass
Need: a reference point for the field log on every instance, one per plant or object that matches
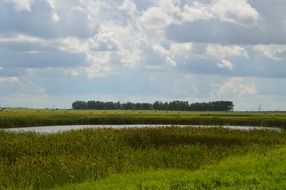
(253, 171)
(40, 161)
(43, 117)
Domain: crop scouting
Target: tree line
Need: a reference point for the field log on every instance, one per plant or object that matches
(158, 105)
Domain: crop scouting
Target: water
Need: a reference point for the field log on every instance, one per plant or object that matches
(62, 128)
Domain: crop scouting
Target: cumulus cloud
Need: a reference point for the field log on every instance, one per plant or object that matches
(46, 19)
(183, 49)
(276, 52)
(215, 51)
(238, 86)
(156, 18)
(225, 64)
(22, 5)
(235, 27)
(129, 6)
(220, 52)
(97, 42)
(234, 11)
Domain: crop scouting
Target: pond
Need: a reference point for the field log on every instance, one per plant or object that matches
(62, 128)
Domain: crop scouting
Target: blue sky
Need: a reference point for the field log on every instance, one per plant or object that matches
(53, 52)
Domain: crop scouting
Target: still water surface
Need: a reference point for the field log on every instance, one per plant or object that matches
(62, 128)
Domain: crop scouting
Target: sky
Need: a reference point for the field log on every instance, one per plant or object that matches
(53, 52)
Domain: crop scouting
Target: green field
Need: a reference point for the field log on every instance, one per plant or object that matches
(91, 156)
(43, 117)
(142, 158)
(253, 171)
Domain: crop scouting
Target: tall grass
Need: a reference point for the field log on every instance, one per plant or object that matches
(253, 171)
(29, 117)
(30, 160)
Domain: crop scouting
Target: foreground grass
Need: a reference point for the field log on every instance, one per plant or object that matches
(254, 171)
(29, 160)
(43, 117)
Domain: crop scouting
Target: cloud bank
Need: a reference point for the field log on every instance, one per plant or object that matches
(130, 50)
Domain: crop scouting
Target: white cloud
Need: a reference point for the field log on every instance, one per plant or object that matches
(20, 38)
(214, 51)
(164, 53)
(55, 17)
(220, 52)
(74, 72)
(182, 48)
(225, 64)
(99, 64)
(234, 11)
(22, 5)
(52, 3)
(171, 62)
(129, 6)
(73, 45)
(155, 19)
(197, 11)
(237, 87)
(160, 50)
(114, 46)
(276, 52)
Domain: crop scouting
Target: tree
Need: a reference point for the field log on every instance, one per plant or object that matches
(158, 105)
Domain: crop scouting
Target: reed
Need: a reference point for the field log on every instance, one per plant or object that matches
(39, 161)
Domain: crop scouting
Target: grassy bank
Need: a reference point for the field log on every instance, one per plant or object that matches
(29, 160)
(254, 171)
(42, 117)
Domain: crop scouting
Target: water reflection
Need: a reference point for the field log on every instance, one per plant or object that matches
(62, 128)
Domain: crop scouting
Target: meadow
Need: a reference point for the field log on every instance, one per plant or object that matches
(142, 158)
(43, 117)
(110, 158)
(252, 171)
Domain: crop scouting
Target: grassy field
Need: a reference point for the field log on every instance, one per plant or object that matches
(95, 157)
(43, 117)
(253, 171)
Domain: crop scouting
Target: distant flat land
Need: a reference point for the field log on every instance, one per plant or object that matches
(11, 117)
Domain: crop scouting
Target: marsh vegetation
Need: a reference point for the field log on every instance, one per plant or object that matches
(45, 117)
(39, 161)
(131, 157)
